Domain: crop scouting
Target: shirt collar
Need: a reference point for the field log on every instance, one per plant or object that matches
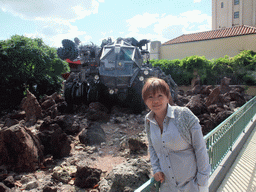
(170, 113)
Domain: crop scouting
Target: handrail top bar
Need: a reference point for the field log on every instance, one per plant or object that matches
(231, 116)
(145, 185)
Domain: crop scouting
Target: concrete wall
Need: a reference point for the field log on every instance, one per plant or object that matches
(211, 49)
(155, 47)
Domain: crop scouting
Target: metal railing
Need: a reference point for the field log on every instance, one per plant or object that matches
(220, 140)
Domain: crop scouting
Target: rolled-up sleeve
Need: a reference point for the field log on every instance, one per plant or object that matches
(202, 158)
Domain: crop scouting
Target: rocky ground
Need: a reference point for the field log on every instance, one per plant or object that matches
(44, 148)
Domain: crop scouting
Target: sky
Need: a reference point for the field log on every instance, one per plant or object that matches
(94, 20)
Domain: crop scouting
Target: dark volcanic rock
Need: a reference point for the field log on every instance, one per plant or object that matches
(181, 100)
(87, 177)
(221, 116)
(55, 141)
(196, 106)
(32, 107)
(136, 145)
(20, 149)
(206, 90)
(97, 112)
(9, 182)
(224, 86)
(48, 103)
(4, 188)
(67, 123)
(131, 174)
(213, 98)
(93, 135)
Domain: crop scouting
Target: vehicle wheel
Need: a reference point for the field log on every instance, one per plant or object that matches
(68, 96)
(137, 103)
(93, 93)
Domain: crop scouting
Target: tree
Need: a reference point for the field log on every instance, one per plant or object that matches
(28, 63)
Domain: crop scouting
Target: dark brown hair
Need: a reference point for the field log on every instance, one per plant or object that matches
(154, 85)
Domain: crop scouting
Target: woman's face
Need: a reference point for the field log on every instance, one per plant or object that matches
(158, 102)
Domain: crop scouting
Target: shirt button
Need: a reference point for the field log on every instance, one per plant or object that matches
(163, 141)
(169, 166)
(172, 177)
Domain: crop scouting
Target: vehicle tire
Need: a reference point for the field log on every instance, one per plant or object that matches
(93, 93)
(137, 103)
(68, 96)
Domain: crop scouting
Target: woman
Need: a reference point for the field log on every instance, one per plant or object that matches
(176, 145)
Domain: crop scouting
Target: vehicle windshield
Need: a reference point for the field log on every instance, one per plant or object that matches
(106, 51)
(126, 54)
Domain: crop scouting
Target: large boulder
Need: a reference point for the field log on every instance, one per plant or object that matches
(136, 145)
(206, 90)
(213, 98)
(32, 107)
(68, 123)
(196, 106)
(55, 141)
(20, 149)
(93, 135)
(181, 100)
(97, 112)
(87, 177)
(224, 85)
(131, 174)
(221, 116)
(238, 97)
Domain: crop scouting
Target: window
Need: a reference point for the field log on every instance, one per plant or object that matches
(236, 2)
(236, 15)
(222, 5)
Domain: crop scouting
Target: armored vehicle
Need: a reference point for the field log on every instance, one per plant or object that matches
(112, 74)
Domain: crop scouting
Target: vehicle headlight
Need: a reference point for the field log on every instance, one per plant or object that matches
(111, 91)
(146, 72)
(141, 78)
(96, 77)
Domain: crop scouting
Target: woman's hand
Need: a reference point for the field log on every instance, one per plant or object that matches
(159, 176)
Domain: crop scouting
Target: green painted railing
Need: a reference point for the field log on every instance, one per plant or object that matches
(220, 140)
(149, 186)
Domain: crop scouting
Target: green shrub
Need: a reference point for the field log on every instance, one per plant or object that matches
(28, 63)
(241, 69)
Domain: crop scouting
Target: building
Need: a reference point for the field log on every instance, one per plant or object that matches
(233, 30)
(229, 13)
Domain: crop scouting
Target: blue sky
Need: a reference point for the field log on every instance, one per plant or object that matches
(95, 20)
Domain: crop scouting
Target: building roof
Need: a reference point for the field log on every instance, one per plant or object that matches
(214, 34)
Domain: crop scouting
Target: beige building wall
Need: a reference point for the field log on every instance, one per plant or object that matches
(223, 17)
(211, 49)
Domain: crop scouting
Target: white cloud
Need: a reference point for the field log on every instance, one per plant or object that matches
(65, 9)
(197, 1)
(141, 21)
(166, 26)
(55, 40)
(53, 18)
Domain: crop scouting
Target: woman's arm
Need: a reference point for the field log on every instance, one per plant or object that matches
(202, 159)
(153, 156)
